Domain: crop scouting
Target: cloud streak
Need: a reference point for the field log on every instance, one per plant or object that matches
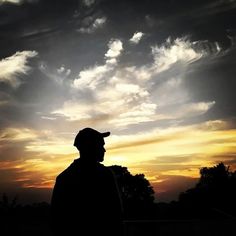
(17, 2)
(15, 65)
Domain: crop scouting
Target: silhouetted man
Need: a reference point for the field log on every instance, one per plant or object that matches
(85, 198)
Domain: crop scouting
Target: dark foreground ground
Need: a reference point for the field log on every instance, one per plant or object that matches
(141, 228)
(181, 227)
(35, 220)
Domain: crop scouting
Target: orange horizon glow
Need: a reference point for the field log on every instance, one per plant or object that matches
(159, 155)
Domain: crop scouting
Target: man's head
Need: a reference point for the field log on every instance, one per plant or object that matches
(90, 144)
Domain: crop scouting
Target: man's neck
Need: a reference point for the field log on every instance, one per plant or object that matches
(87, 160)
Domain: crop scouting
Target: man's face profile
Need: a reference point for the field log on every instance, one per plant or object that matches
(94, 150)
(100, 150)
(90, 144)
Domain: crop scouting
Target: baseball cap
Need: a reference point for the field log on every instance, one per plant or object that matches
(89, 136)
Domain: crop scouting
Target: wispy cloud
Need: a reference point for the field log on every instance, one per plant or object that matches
(179, 50)
(38, 142)
(58, 75)
(16, 134)
(11, 67)
(90, 24)
(209, 132)
(93, 76)
(17, 2)
(136, 37)
(88, 3)
(11, 1)
(62, 70)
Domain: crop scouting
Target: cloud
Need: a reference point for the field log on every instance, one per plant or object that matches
(91, 24)
(141, 113)
(180, 50)
(35, 141)
(15, 65)
(17, 2)
(41, 31)
(196, 108)
(136, 37)
(11, 1)
(171, 134)
(186, 110)
(33, 172)
(48, 118)
(115, 48)
(159, 148)
(58, 75)
(88, 3)
(93, 76)
(62, 70)
(213, 8)
(16, 135)
(74, 111)
(128, 95)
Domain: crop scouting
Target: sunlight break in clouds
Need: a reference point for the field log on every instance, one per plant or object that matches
(15, 65)
(136, 37)
(129, 95)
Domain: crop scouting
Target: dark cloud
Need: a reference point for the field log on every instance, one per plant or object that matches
(14, 151)
(214, 80)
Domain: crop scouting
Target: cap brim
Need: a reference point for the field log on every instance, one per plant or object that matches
(106, 134)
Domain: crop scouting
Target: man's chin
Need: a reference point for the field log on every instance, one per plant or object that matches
(101, 159)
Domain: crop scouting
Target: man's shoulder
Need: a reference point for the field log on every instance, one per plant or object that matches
(106, 170)
(70, 170)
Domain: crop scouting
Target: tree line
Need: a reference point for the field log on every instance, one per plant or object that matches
(213, 196)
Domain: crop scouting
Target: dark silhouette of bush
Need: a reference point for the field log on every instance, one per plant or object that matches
(136, 192)
(216, 190)
(17, 219)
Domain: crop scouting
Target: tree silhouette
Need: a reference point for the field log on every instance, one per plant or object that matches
(213, 177)
(216, 189)
(136, 192)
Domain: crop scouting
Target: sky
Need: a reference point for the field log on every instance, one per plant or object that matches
(159, 75)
